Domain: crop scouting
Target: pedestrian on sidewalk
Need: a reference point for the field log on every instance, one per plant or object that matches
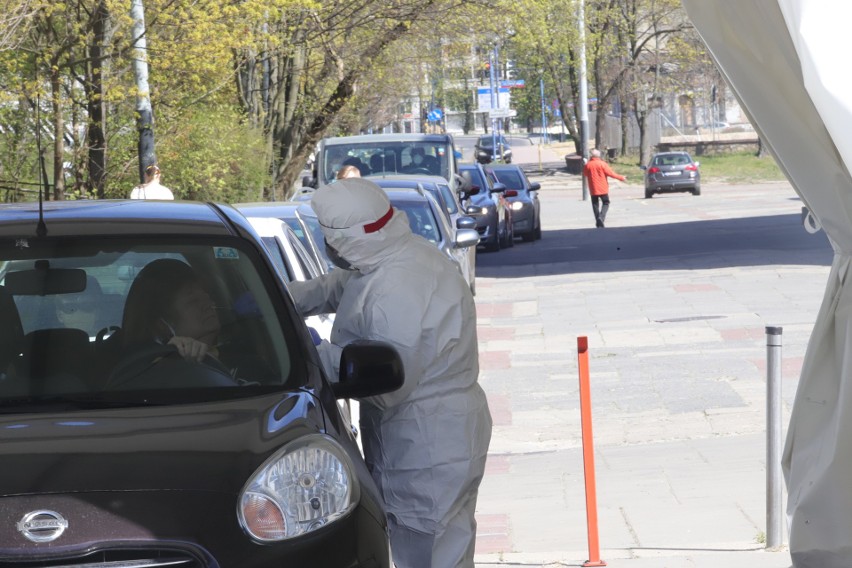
(596, 171)
(152, 188)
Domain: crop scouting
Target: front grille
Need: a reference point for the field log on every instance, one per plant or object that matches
(136, 558)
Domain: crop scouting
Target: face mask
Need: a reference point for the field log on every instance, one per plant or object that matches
(418, 159)
(335, 257)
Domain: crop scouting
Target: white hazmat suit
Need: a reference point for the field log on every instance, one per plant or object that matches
(426, 443)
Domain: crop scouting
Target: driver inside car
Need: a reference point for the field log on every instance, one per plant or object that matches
(168, 305)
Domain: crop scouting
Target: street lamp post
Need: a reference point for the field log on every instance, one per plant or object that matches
(543, 139)
(584, 96)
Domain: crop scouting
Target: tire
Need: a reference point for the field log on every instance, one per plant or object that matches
(696, 190)
(649, 194)
(528, 237)
(510, 235)
(538, 230)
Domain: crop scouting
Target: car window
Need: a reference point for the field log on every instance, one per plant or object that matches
(312, 223)
(421, 219)
(79, 317)
(387, 157)
(449, 198)
(510, 178)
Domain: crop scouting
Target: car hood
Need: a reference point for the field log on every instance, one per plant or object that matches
(201, 447)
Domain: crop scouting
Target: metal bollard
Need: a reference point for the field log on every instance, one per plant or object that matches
(774, 517)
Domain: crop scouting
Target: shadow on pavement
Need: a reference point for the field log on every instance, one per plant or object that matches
(695, 245)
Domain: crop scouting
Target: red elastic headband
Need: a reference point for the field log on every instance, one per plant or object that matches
(381, 222)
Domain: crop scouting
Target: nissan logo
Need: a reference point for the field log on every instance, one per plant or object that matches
(42, 526)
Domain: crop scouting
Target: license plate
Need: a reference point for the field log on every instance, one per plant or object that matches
(671, 173)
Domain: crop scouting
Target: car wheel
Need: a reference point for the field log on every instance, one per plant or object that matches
(528, 237)
(510, 235)
(538, 230)
(696, 190)
(649, 194)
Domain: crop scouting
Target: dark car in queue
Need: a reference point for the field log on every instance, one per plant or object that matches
(526, 207)
(486, 202)
(669, 172)
(123, 453)
(428, 221)
(484, 149)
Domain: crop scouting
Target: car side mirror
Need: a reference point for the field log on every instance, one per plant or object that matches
(472, 210)
(368, 368)
(510, 193)
(307, 181)
(498, 188)
(466, 223)
(535, 186)
(466, 238)
(643, 167)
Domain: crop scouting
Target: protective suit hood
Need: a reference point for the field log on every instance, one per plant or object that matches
(358, 220)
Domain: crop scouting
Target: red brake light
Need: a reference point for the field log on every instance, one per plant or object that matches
(653, 170)
(691, 168)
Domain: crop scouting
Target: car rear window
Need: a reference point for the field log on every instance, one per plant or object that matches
(79, 316)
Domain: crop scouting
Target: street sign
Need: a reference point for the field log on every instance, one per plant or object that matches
(502, 113)
(435, 115)
(513, 83)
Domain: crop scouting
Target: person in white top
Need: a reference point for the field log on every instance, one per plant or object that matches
(152, 188)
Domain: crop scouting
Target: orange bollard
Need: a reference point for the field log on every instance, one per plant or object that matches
(588, 453)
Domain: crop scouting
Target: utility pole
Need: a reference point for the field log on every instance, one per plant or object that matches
(543, 139)
(145, 120)
(584, 95)
(494, 101)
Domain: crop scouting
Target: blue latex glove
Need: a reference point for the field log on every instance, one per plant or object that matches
(315, 336)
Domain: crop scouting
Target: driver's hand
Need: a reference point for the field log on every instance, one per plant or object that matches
(189, 348)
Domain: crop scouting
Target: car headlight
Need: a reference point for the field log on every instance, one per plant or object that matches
(517, 205)
(305, 485)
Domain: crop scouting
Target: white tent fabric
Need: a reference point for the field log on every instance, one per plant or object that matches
(786, 61)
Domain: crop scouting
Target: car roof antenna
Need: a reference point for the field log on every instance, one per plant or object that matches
(41, 228)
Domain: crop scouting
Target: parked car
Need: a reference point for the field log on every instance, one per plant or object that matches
(301, 218)
(293, 260)
(451, 207)
(486, 202)
(118, 453)
(426, 219)
(671, 172)
(526, 208)
(484, 149)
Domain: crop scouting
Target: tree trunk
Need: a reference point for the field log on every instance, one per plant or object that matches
(95, 105)
(58, 135)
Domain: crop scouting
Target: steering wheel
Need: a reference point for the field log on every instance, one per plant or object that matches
(158, 366)
(418, 171)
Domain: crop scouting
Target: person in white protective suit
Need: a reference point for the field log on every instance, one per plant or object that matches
(426, 443)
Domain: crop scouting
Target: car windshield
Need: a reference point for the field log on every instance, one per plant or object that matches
(510, 178)
(671, 160)
(421, 219)
(89, 320)
(386, 157)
